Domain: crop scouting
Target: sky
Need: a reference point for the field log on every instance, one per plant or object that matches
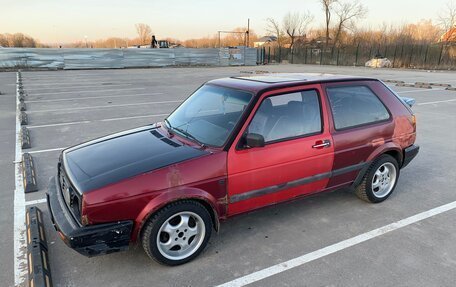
(63, 21)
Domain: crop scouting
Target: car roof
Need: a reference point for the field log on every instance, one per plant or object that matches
(265, 81)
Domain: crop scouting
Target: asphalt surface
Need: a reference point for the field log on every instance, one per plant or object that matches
(69, 107)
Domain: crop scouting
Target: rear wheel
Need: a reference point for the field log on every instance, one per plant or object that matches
(380, 180)
(177, 233)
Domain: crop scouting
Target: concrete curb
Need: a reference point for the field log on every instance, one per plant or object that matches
(23, 118)
(25, 138)
(28, 173)
(22, 107)
(39, 272)
(433, 84)
(393, 81)
(416, 85)
(423, 86)
(404, 85)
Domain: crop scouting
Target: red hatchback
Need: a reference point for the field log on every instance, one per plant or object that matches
(235, 145)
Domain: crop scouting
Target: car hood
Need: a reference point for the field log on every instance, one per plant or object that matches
(123, 155)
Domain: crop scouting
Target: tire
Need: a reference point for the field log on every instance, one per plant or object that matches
(379, 180)
(177, 233)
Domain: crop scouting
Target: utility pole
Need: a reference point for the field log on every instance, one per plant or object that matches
(219, 40)
(248, 32)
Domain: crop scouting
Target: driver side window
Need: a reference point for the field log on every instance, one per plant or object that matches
(287, 116)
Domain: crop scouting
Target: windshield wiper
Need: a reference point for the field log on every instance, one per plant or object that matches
(188, 135)
(184, 132)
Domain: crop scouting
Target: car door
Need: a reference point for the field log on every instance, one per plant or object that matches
(297, 156)
(360, 123)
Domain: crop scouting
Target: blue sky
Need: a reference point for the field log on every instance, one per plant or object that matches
(72, 20)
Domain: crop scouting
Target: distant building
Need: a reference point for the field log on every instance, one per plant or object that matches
(264, 41)
(320, 41)
(449, 36)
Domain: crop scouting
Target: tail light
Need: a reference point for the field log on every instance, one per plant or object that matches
(84, 217)
(413, 121)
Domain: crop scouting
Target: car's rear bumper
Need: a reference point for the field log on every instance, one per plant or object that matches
(88, 240)
(409, 154)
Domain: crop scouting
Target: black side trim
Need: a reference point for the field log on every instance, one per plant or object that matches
(275, 188)
(409, 154)
(349, 168)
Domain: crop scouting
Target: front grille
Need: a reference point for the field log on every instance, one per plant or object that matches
(69, 193)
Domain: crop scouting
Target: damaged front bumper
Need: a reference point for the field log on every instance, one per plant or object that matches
(88, 240)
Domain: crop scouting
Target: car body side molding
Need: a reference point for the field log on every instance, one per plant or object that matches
(301, 181)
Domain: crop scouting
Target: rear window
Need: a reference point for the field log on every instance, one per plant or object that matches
(354, 106)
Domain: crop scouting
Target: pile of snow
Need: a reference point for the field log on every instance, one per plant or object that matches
(379, 63)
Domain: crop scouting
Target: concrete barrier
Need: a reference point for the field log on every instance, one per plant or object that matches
(28, 173)
(39, 271)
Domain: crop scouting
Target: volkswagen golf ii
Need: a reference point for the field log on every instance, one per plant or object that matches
(235, 145)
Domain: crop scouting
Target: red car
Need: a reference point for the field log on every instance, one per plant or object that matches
(235, 145)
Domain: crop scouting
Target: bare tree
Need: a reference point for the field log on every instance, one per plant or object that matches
(346, 13)
(295, 24)
(447, 17)
(144, 32)
(273, 28)
(327, 8)
(3, 40)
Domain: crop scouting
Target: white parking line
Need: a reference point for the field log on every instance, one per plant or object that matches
(134, 117)
(76, 83)
(20, 260)
(102, 120)
(36, 201)
(54, 87)
(86, 92)
(96, 97)
(419, 91)
(103, 107)
(298, 261)
(46, 150)
(59, 124)
(435, 102)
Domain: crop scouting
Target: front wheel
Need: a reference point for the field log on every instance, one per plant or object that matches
(380, 180)
(177, 233)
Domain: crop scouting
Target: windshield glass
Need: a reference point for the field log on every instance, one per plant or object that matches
(210, 114)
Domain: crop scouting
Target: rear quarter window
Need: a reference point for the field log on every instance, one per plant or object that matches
(353, 106)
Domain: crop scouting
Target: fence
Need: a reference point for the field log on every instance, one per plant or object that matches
(124, 58)
(433, 56)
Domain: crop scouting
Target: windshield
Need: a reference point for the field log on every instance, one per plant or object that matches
(209, 115)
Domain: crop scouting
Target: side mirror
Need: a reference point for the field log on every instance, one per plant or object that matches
(254, 140)
(409, 101)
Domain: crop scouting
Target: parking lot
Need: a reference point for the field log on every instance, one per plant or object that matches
(68, 107)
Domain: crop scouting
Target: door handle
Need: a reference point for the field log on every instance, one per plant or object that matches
(321, 144)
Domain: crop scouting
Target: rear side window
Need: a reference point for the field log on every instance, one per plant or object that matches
(354, 106)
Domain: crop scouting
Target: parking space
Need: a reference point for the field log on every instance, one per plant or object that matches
(68, 107)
